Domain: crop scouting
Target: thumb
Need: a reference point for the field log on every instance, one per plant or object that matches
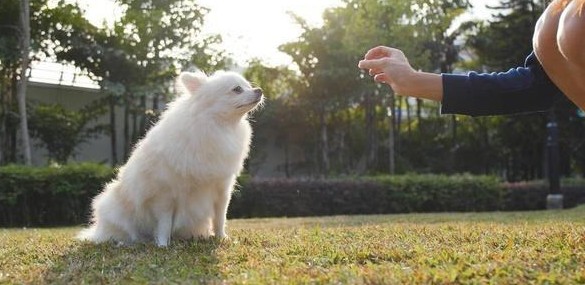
(382, 78)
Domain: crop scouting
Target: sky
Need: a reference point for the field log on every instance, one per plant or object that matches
(255, 28)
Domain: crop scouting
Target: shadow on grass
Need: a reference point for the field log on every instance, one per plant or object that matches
(182, 262)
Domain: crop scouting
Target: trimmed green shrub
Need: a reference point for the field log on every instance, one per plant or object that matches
(48, 196)
(377, 195)
(531, 195)
(52, 196)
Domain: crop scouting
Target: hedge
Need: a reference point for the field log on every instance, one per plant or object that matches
(43, 196)
(52, 196)
(526, 196)
(377, 195)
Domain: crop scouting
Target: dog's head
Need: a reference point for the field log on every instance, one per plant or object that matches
(225, 93)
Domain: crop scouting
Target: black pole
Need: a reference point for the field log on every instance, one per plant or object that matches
(554, 200)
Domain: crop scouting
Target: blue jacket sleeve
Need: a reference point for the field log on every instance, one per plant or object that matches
(519, 90)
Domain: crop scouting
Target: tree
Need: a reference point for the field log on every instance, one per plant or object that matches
(61, 131)
(506, 40)
(138, 59)
(9, 65)
(29, 41)
(503, 43)
(328, 82)
(334, 91)
(25, 43)
(281, 118)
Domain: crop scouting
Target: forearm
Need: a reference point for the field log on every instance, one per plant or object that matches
(423, 85)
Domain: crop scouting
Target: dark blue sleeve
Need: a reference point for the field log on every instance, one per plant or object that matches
(519, 90)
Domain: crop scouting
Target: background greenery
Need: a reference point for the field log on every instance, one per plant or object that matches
(61, 195)
(322, 105)
(345, 125)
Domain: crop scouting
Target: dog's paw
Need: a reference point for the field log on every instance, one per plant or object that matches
(162, 244)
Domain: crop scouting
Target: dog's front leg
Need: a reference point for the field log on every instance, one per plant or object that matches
(220, 211)
(163, 229)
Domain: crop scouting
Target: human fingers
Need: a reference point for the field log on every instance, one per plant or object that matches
(382, 78)
(373, 72)
(375, 64)
(381, 51)
(377, 52)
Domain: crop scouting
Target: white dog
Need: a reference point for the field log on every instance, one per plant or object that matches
(179, 178)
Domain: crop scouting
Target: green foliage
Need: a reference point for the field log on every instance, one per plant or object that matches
(55, 195)
(9, 34)
(424, 193)
(48, 24)
(61, 195)
(338, 117)
(504, 43)
(61, 131)
(377, 195)
(345, 114)
(281, 116)
(393, 194)
(142, 51)
(507, 40)
(469, 248)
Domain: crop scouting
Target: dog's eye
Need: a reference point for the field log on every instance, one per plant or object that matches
(238, 89)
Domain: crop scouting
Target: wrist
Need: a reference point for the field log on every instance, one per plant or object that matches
(425, 85)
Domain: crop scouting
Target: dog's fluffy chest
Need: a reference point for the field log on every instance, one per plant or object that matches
(206, 150)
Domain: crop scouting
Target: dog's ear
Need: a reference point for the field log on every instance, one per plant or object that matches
(192, 81)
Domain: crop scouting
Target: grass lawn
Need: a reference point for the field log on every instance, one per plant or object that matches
(546, 247)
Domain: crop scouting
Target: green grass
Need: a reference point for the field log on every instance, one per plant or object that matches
(545, 247)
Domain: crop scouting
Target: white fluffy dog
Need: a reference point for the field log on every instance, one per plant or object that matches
(179, 178)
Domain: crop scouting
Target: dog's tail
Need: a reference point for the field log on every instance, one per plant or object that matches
(97, 234)
(100, 229)
(88, 234)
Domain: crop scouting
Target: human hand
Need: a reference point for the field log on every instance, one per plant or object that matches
(389, 65)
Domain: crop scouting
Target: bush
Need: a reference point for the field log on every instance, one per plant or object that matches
(49, 196)
(377, 195)
(525, 196)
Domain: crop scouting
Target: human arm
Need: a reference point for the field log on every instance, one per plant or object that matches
(519, 90)
(390, 66)
(525, 89)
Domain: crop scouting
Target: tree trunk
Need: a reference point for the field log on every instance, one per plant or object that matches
(370, 129)
(113, 134)
(135, 131)
(3, 108)
(397, 122)
(324, 143)
(408, 119)
(286, 159)
(419, 113)
(143, 118)
(391, 127)
(25, 40)
(126, 127)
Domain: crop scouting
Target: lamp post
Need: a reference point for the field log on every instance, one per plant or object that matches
(554, 199)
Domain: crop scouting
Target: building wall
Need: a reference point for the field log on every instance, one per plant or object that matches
(74, 98)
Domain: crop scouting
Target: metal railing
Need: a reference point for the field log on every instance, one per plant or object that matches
(60, 74)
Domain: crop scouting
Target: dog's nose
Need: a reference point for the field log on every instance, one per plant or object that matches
(258, 91)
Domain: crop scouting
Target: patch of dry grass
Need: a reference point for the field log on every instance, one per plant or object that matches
(471, 248)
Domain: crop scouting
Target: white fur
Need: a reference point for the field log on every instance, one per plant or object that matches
(179, 179)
